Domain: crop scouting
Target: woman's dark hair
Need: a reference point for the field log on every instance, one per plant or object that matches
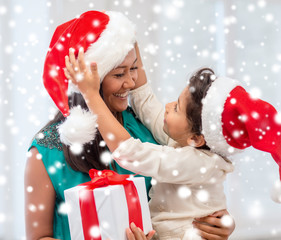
(199, 84)
(90, 157)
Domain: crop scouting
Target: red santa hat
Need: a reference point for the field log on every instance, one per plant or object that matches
(233, 120)
(106, 37)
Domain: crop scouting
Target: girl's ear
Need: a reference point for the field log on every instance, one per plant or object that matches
(196, 141)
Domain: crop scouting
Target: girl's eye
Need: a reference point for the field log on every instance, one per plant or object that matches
(133, 68)
(175, 107)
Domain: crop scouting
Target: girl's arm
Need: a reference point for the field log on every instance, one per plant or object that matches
(146, 106)
(160, 162)
(111, 130)
(39, 199)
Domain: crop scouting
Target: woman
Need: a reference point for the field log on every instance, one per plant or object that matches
(53, 165)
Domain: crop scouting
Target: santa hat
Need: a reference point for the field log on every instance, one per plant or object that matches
(106, 37)
(233, 120)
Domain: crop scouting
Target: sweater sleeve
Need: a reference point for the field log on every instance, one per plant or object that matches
(166, 164)
(151, 113)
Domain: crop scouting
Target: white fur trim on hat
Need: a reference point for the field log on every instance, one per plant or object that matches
(113, 45)
(79, 127)
(212, 109)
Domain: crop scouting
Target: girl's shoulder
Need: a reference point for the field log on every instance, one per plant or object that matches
(48, 137)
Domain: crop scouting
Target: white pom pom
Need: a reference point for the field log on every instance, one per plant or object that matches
(79, 127)
(276, 192)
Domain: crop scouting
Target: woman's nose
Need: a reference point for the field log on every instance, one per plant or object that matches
(129, 82)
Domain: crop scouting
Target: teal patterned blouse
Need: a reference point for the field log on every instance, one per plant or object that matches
(64, 177)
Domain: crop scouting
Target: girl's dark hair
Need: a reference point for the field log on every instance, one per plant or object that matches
(90, 156)
(199, 84)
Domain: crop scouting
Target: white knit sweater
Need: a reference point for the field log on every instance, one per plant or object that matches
(187, 183)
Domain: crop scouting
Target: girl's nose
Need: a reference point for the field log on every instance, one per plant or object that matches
(167, 107)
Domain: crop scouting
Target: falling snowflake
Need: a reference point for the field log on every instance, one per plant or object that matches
(2, 217)
(76, 148)
(3, 180)
(29, 189)
(106, 157)
(227, 221)
(64, 208)
(184, 192)
(277, 118)
(94, 231)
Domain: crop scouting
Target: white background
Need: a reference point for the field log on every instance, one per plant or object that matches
(240, 39)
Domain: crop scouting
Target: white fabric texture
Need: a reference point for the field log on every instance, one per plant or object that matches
(113, 45)
(213, 105)
(189, 182)
(79, 128)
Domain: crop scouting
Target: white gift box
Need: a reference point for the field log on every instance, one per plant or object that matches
(111, 209)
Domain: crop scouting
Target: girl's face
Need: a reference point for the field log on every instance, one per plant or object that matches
(176, 124)
(118, 82)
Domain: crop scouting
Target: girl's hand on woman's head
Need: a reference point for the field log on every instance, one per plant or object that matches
(141, 80)
(217, 226)
(87, 80)
(135, 233)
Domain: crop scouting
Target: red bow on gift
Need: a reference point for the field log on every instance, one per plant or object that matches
(106, 177)
(87, 202)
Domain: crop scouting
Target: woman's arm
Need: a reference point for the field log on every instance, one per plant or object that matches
(142, 79)
(151, 113)
(217, 226)
(39, 199)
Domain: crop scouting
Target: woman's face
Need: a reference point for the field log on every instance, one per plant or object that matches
(118, 82)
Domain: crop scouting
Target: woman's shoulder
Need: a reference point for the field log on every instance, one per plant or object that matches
(48, 137)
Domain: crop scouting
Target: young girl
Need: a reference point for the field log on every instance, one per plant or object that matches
(188, 176)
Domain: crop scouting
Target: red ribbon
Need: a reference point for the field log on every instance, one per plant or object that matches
(87, 202)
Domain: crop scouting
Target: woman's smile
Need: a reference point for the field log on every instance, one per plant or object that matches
(122, 96)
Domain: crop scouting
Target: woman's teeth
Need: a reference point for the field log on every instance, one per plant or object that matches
(122, 95)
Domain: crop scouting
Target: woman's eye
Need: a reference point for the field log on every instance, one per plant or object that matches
(133, 68)
(119, 75)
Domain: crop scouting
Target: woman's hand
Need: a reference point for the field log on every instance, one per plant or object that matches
(136, 233)
(141, 80)
(87, 80)
(217, 226)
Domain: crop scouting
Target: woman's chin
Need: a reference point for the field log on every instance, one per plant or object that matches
(121, 108)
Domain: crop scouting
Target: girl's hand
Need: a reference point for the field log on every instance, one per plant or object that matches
(217, 226)
(142, 79)
(136, 233)
(87, 80)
